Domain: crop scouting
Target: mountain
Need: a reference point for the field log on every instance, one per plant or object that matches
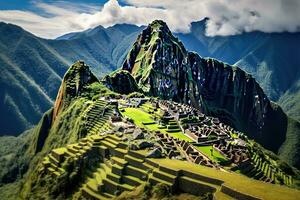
(28, 83)
(163, 68)
(32, 68)
(262, 55)
(98, 144)
(270, 57)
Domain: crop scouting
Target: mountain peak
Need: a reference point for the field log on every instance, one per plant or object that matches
(154, 44)
(159, 25)
(76, 79)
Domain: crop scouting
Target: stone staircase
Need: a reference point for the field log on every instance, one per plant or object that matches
(117, 174)
(53, 162)
(97, 117)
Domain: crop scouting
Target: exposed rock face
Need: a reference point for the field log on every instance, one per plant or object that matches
(155, 153)
(145, 144)
(163, 67)
(138, 134)
(121, 82)
(76, 78)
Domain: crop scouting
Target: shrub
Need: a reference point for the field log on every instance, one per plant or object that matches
(285, 168)
(135, 95)
(161, 190)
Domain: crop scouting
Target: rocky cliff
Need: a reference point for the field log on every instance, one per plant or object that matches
(120, 81)
(163, 67)
(76, 79)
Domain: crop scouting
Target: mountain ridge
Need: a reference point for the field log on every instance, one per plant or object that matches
(40, 65)
(242, 49)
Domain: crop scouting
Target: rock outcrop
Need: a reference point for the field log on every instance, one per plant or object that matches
(121, 82)
(73, 84)
(163, 67)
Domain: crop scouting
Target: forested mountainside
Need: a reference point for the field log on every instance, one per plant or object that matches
(32, 68)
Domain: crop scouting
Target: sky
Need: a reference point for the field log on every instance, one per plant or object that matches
(50, 19)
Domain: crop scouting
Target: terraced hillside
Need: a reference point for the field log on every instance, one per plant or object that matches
(217, 144)
(104, 165)
(97, 116)
(98, 144)
(78, 112)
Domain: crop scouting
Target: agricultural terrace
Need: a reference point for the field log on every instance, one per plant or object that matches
(212, 153)
(146, 120)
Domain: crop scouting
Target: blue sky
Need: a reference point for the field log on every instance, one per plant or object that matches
(27, 4)
(50, 19)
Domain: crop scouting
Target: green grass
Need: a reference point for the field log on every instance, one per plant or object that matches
(234, 180)
(217, 156)
(139, 117)
(59, 151)
(234, 135)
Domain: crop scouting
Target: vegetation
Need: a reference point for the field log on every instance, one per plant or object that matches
(213, 154)
(235, 181)
(121, 81)
(135, 95)
(13, 158)
(143, 119)
(70, 153)
(32, 69)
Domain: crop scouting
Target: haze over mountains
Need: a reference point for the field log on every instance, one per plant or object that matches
(32, 67)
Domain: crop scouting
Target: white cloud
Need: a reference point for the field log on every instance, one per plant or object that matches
(226, 17)
(229, 17)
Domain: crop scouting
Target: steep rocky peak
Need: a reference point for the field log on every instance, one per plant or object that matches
(76, 79)
(154, 32)
(155, 46)
(159, 25)
(79, 74)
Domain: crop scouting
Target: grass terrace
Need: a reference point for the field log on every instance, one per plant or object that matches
(234, 135)
(235, 181)
(217, 156)
(145, 120)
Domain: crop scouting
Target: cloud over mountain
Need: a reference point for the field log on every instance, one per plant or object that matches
(226, 17)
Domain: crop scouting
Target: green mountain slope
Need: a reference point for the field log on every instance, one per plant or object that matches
(28, 83)
(290, 101)
(32, 68)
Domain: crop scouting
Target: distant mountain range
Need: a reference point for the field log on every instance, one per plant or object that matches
(272, 58)
(32, 67)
